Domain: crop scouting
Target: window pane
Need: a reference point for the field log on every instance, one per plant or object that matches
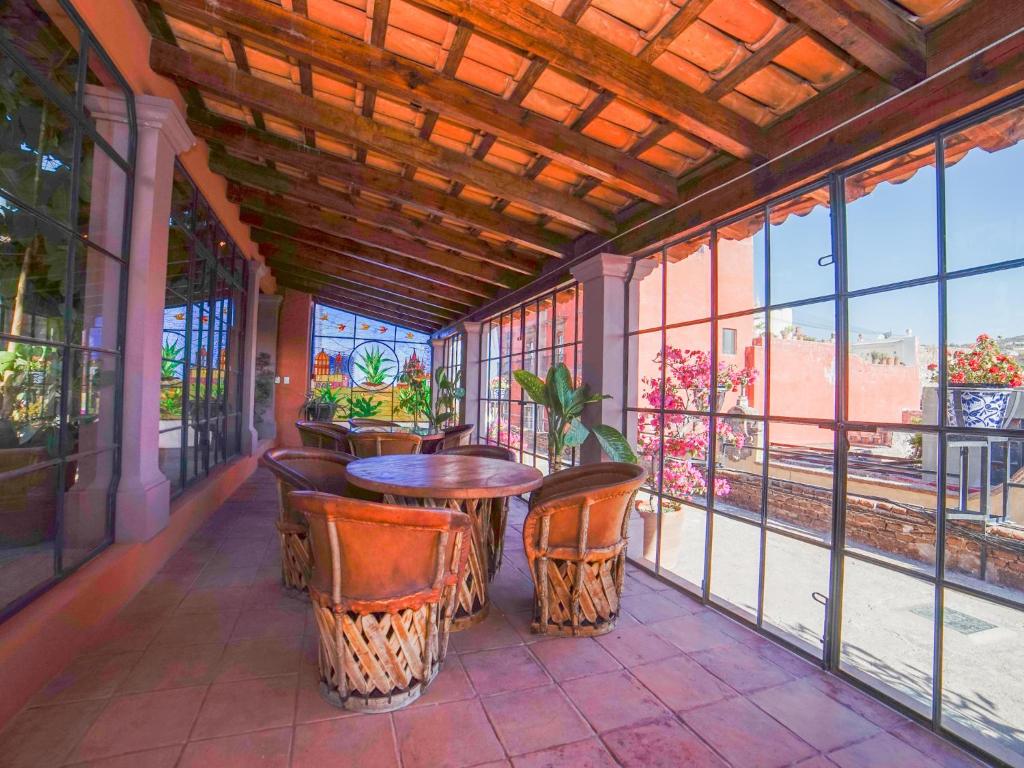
(984, 221)
(101, 198)
(96, 299)
(801, 462)
(735, 564)
(796, 576)
(30, 414)
(645, 293)
(33, 263)
(740, 467)
(683, 534)
(803, 361)
(28, 521)
(689, 280)
(687, 369)
(41, 38)
(92, 411)
(740, 371)
(741, 265)
(800, 248)
(86, 506)
(891, 220)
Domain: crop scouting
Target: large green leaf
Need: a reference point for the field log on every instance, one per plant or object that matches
(614, 444)
(562, 379)
(576, 435)
(532, 385)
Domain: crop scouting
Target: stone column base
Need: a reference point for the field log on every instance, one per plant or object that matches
(142, 510)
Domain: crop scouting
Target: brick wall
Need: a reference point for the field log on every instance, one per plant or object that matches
(900, 530)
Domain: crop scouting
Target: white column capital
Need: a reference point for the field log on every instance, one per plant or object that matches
(153, 112)
(602, 265)
(469, 327)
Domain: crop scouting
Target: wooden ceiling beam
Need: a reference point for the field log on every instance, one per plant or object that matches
(683, 18)
(427, 271)
(363, 308)
(871, 31)
(241, 139)
(368, 218)
(331, 50)
(531, 27)
(247, 90)
(756, 61)
(318, 259)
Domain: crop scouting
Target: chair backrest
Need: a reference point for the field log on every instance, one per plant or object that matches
(481, 451)
(367, 444)
(381, 557)
(588, 507)
(361, 423)
(307, 469)
(455, 436)
(322, 434)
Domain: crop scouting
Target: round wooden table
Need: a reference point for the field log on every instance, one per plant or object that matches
(470, 484)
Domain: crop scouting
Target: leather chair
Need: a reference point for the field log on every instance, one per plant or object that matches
(455, 436)
(367, 444)
(323, 434)
(575, 541)
(384, 587)
(302, 469)
(499, 507)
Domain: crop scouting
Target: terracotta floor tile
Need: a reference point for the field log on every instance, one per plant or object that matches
(493, 632)
(162, 757)
(247, 705)
(522, 622)
(261, 657)
(196, 628)
(88, 677)
(746, 736)
(453, 735)
(271, 622)
(865, 706)
(125, 633)
(818, 761)
(632, 586)
(655, 606)
(44, 736)
(665, 744)
(353, 742)
(451, 684)
(938, 749)
(681, 683)
(214, 599)
(691, 633)
(503, 669)
(740, 667)
(512, 592)
(589, 753)
(141, 721)
(312, 707)
(539, 718)
(636, 645)
(818, 719)
(566, 658)
(218, 575)
(614, 700)
(266, 749)
(174, 666)
(881, 751)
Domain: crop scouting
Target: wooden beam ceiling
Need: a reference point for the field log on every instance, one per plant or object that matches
(533, 28)
(872, 31)
(242, 140)
(250, 91)
(354, 303)
(333, 51)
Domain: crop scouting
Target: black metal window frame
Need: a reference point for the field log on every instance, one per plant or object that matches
(841, 424)
(217, 273)
(72, 106)
(504, 361)
(453, 364)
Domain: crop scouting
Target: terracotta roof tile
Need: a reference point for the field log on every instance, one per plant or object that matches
(746, 20)
(612, 29)
(707, 47)
(813, 62)
(349, 17)
(683, 71)
(776, 88)
(643, 15)
(664, 158)
(499, 57)
(607, 198)
(283, 127)
(612, 134)
(748, 108)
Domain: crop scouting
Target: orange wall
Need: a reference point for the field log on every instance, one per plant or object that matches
(293, 331)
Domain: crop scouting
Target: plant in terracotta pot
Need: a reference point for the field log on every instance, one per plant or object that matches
(984, 384)
(678, 462)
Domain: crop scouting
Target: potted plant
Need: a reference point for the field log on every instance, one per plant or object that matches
(418, 399)
(564, 404)
(984, 383)
(321, 403)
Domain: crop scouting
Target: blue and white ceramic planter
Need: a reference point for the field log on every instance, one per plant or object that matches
(980, 405)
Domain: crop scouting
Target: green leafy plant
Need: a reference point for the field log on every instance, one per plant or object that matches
(374, 367)
(171, 355)
(170, 403)
(418, 400)
(564, 404)
(363, 407)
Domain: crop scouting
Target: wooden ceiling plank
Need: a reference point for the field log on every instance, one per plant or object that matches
(334, 51)
(364, 308)
(871, 31)
(248, 90)
(756, 61)
(684, 17)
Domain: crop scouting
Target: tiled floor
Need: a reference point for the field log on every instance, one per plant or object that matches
(213, 664)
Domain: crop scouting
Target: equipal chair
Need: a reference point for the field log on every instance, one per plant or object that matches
(384, 590)
(575, 541)
(366, 444)
(323, 434)
(455, 436)
(380, 423)
(499, 507)
(302, 469)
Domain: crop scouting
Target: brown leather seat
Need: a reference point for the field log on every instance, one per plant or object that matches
(367, 444)
(383, 587)
(363, 423)
(499, 507)
(575, 541)
(323, 434)
(455, 436)
(302, 469)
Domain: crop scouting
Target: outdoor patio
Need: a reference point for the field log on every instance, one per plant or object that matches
(214, 664)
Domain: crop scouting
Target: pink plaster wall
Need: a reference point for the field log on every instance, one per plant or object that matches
(292, 361)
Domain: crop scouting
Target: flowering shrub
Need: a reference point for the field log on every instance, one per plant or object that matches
(687, 387)
(510, 436)
(984, 363)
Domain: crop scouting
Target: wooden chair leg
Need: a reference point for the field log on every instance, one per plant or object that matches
(574, 598)
(296, 557)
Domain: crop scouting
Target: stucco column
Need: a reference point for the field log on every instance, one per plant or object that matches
(143, 494)
(266, 344)
(471, 376)
(250, 438)
(603, 279)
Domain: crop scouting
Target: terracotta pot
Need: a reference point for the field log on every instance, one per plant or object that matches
(671, 535)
